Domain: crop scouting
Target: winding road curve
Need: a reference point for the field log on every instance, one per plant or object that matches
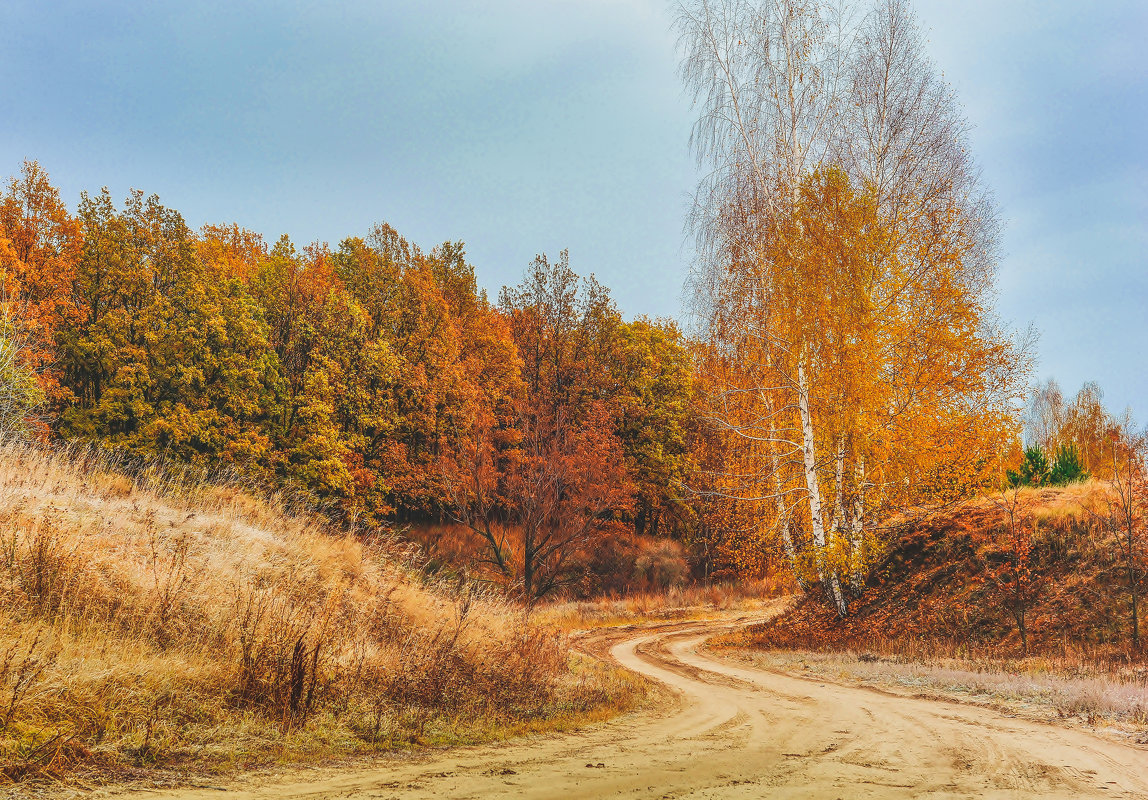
(735, 732)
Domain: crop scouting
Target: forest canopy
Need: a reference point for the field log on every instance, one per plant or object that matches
(846, 365)
(373, 376)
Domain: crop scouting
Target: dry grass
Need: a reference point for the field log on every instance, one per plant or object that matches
(1040, 688)
(942, 590)
(678, 603)
(932, 619)
(149, 621)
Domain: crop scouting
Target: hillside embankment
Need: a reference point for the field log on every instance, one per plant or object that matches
(941, 614)
(963, 580)
(153, 627)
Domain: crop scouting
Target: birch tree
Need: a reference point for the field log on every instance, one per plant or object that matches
(846, 266)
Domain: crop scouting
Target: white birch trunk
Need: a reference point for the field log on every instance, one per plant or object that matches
(839, 499)
(857, 529)
(813, 489)
(779, 492)
(783, 517)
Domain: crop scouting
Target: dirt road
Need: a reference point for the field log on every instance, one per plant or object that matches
(734, 732)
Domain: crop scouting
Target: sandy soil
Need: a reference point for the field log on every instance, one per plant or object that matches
(732, 731)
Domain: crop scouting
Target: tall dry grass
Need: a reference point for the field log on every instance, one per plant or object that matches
(151, 619)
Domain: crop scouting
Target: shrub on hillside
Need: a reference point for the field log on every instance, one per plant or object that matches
(1033, 471)
(1067, 467)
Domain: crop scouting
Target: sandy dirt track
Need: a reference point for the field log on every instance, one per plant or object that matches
(736, 732)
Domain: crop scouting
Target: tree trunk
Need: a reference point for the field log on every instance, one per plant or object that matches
(857, 530)
(1133, 578)
(779, 494)
(825, 573)
(839, 494)
(783, 515)
(1134, 589)
(528, 569)
(1135, 608)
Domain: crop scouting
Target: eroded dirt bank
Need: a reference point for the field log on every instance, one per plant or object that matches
(732, 731)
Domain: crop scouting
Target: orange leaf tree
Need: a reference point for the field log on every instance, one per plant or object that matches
(845, 273)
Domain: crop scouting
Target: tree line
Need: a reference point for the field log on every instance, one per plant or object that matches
(373, 376)
(837, 378)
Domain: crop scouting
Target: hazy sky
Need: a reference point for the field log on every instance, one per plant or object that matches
(526, 127)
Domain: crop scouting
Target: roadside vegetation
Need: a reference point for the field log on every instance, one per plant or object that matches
(958, 582)
(154, 625)
(1028, 601)
(1062, 690)
(693, 602)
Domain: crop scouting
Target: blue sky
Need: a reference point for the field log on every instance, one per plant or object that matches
(528, 127)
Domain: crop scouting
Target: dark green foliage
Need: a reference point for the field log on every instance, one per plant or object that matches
(1066, 467)
(1034, 470)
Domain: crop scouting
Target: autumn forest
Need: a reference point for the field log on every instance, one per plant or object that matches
(360, 494)
(841, 363)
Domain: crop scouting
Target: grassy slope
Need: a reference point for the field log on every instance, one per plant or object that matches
(933, 621)
(935, 593)
(150, 624)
